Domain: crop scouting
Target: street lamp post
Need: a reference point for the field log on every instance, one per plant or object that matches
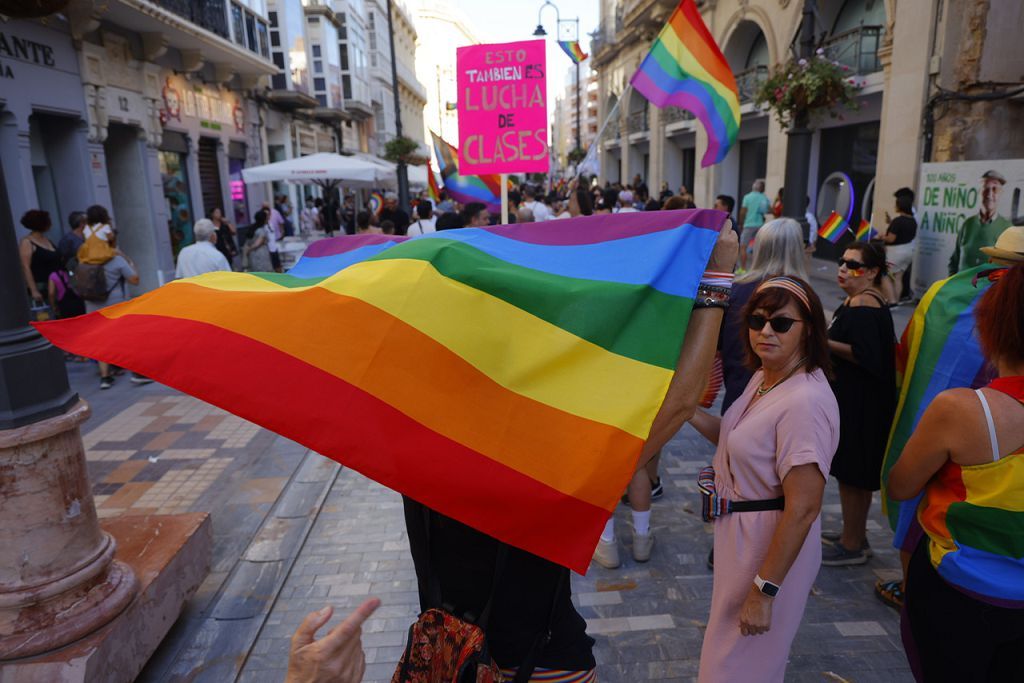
(540, 32)
(798, 143)
(403, 172)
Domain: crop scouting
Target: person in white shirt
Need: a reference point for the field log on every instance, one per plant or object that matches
(425, 221)
(201, 257)
(540, 212)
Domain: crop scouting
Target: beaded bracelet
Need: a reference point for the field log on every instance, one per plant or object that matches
(717, 279)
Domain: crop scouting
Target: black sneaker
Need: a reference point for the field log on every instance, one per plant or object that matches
(140, 379)
(106, 382)
(656, 489)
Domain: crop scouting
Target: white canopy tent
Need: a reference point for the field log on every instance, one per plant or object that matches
(325, 169)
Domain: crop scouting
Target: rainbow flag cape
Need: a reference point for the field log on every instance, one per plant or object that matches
(865, 233)
(938, 350)
(506, 377)
(465, 188)
(573, 49)
(435, 191)
(833, 228)
(686, 69)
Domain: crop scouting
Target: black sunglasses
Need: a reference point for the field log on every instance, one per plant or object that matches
(780, 324)
(850, 264)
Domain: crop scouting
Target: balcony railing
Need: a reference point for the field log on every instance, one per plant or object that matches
(637, 122)
(675, 114)
(749, 80)
(856, 49)
(209, 14)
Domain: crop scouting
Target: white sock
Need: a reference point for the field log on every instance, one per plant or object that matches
(608, 535)
(642, 522)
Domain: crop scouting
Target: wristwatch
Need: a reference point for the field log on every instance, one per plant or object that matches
(767, 587)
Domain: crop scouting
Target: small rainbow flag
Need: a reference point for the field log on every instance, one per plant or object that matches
(686, 69)
(435, 191)
(865, 233)
(465, 188)
(939, 350)
(451, 106)
(833, 228)
(542, 357)
(375, 203)
(573, 49)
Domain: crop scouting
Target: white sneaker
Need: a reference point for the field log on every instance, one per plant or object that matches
(642, 546)
(606, 554)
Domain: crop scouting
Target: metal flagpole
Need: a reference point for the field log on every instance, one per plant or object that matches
(593, 151)
(504, 199)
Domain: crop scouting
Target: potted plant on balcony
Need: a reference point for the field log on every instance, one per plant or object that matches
(405, 150)
(808, 89)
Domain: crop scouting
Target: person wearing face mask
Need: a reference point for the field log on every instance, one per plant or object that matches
(863, 345)
(764, 489)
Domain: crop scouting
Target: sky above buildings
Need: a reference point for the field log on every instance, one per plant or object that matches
(501, 22)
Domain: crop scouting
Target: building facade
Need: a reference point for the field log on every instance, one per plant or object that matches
(564, 117)
(899, 50)
(441, 29)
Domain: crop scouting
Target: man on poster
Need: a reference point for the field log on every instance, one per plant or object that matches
(981, 230)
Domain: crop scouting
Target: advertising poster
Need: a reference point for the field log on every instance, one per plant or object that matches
(961, 207)
(502, 108)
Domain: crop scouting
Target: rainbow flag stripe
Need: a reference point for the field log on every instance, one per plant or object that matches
(465, 188)
(939, 350)
(506, 377)
(573, 49)
(375, 203)
(833, 228)
(435, 191)
(686, 69)
(865, 233)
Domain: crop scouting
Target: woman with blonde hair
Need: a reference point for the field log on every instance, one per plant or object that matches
(778, 250)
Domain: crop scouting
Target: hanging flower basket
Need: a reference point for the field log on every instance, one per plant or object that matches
(30, 9)
(817, 86)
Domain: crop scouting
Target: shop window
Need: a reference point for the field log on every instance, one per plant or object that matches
(239, 199)
(179, 205)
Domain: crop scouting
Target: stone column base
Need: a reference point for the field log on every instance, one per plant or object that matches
(170, 555)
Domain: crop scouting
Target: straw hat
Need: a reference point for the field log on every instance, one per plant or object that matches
(1009, 246)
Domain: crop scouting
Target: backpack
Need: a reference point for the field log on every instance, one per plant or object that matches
(71, 304)
(445, 648)
(91, 282)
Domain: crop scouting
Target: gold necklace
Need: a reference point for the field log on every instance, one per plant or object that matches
(761, 391)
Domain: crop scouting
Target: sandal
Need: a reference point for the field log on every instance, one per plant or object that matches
(890, 592)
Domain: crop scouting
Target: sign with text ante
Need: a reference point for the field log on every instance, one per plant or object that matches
(502, 108)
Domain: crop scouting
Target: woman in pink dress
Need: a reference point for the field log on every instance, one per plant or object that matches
(775, 446)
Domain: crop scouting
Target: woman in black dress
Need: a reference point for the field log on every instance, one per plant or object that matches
(862, 341)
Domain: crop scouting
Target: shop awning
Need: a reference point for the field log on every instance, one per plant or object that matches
(325, 168)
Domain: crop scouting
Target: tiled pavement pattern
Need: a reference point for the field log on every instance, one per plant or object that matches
(648, 619)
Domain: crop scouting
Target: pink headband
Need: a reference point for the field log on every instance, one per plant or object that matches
(788, 284)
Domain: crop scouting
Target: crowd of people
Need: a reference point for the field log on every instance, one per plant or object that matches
(804, 398)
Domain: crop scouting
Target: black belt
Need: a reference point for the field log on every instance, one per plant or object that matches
(757, 505)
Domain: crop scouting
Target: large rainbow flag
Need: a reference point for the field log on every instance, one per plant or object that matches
(938, 350)
(506, 377)
(686, 69)
(465, 188)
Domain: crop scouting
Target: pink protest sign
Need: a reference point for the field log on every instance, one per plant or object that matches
(502, 107)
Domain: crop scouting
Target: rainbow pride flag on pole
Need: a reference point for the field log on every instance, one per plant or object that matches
(939, 350)
(833, 228)
(865, 233)
(506, 377)
(432, 187)
(465, 188)
(573, 49)
(686, 69)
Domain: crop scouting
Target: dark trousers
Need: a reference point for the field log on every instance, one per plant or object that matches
(956, 638)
